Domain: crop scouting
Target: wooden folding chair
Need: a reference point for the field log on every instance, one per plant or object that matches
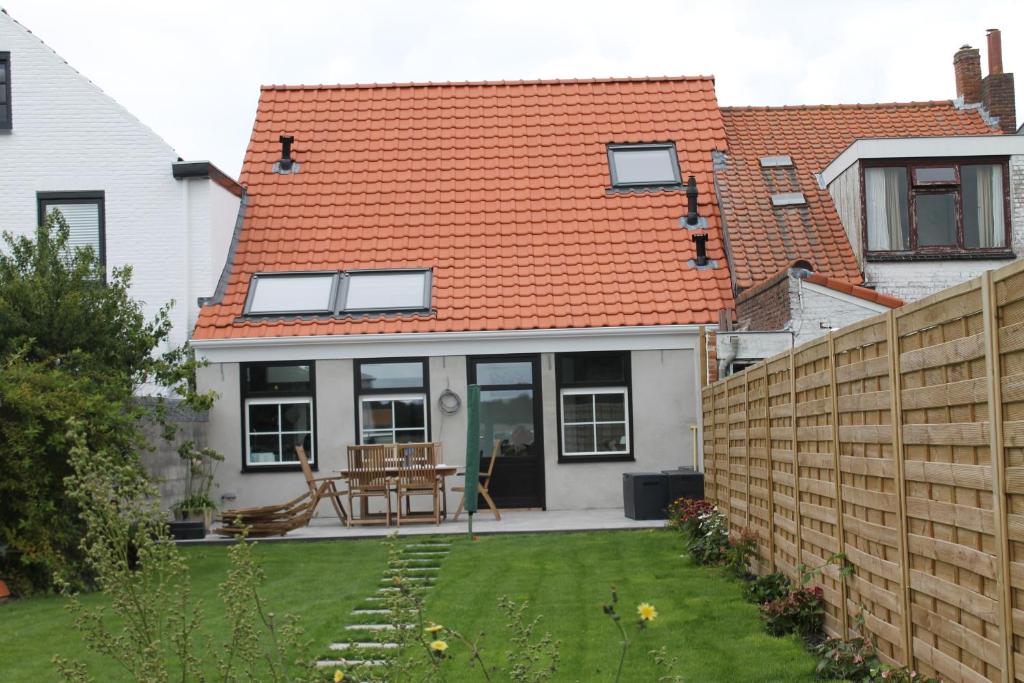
(368, 478)
(417, 476)
(273, 520)
(314, 483)
(482, 487)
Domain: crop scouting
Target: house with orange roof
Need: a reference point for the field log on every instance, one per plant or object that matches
(556, 243)
(834, 213)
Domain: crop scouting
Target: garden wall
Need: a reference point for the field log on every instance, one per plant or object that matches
(163, 462)
(903, 455)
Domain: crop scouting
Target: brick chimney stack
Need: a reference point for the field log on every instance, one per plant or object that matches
(967, 67)
(997, 92)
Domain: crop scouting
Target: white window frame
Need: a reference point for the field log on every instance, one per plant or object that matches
(594, 391)
(279, 401)
(391, 397)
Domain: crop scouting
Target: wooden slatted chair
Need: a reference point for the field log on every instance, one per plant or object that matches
(367, 479)
(417, 476)
(314, 483)
(482, 487)
(272, 520)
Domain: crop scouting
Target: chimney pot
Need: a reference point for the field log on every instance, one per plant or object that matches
(995, 51)
(701, 240)
(286, 152)
(691, 201)
(967, 69)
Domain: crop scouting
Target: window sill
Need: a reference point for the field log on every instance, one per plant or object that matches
(290, 467)
(572, 459)
(903, 256)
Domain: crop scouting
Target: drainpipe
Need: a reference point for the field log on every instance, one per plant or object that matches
(730, 355)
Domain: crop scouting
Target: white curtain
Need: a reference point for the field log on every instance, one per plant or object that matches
(885, 219)
(990, 207)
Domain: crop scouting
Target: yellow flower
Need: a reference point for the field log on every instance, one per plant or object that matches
(647, 611)
(339, 676)
(439, 646)
(433, 628)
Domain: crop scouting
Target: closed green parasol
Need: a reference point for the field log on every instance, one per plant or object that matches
(472, 452)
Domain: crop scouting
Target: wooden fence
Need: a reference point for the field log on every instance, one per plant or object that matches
(801, 449)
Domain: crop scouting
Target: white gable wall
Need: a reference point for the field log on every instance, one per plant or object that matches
(69, 136)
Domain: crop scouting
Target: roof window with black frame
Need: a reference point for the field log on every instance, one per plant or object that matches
(644, 166)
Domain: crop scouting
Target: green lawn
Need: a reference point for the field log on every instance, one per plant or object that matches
(566, 578)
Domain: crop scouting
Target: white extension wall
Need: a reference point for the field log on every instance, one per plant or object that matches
(69, 136)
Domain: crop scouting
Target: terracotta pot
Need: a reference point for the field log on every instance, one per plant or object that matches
(5, 592)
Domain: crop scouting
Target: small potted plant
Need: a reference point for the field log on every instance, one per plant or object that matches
(193, 514)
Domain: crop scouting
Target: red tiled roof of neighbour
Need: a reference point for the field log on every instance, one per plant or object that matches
(501, 188)
(764, 239)
(853, 290)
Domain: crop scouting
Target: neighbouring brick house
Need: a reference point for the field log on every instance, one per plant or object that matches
(67, 145)
(401, 242)
(833, 213)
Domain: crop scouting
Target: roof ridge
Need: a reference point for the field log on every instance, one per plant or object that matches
(443, 84)
(841, 105)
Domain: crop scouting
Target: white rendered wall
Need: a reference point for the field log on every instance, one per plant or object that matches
(814, 310)
(70, 136)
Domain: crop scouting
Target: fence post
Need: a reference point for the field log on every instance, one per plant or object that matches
(896, 422)
(796, 463)
(768, 457)
(993, 367)
(840, 535)
(714, 458)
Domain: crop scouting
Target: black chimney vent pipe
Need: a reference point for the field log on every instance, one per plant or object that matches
(701, 241)
(691, 201)
(286, 152)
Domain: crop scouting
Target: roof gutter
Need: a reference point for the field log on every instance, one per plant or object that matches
(448, 343)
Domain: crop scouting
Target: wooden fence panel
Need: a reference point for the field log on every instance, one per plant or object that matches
(953, 582)
(707, 407)
(783, 480)
(1008, 295)
(736, 400)
(816, 473)
(871, 510)
(759, 518)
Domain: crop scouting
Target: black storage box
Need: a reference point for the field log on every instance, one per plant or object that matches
(684, 483)
(188, 531)
(644, 495)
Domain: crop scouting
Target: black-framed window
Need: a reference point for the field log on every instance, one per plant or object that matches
(644, 165)
(85, 214)
(6, 108)
(594, 406)
(339, 292)
(392, 403)
(279, 413)
(936, 209)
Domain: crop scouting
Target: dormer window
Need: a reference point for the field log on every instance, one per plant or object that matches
(338, 293)
(5, 91)
(935, 209)
(644, 165)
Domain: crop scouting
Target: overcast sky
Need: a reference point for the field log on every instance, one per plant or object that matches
(191, 69)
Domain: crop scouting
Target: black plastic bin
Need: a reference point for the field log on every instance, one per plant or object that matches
(684, 482)
(644, 495)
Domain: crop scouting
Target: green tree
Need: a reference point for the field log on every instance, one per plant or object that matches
(73, 344)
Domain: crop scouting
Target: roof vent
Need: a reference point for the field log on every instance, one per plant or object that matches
(286, 164)
(691, 220)
(788, 199)
(701, 241)
(777, 161)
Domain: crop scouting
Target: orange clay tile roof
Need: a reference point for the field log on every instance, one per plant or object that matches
(501, 188)
(763, 239)
(853, 290)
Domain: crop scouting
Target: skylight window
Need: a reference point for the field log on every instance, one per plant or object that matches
(387, 290)
(291, 293)
(644, 165)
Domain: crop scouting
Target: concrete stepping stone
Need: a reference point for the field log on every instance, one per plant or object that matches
(374, 627)
(371, 611)
(369, 645)
(410, 570)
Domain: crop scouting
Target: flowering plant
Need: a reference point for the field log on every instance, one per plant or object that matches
(802, 612)
(840, 659)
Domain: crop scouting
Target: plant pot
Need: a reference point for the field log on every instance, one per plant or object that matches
(5, 592)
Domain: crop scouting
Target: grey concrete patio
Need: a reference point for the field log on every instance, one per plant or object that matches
(512, 522)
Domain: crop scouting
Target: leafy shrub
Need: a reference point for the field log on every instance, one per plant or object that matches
(802, 612)
(685, 514)
(767, 588)
(851, 659)
(742, 549)
(710, 542)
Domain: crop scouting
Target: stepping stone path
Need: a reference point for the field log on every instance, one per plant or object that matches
(367, 641)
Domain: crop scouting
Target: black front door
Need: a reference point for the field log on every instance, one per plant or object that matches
(510, 413)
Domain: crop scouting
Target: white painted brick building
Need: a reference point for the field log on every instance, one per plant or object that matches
(63, 140)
